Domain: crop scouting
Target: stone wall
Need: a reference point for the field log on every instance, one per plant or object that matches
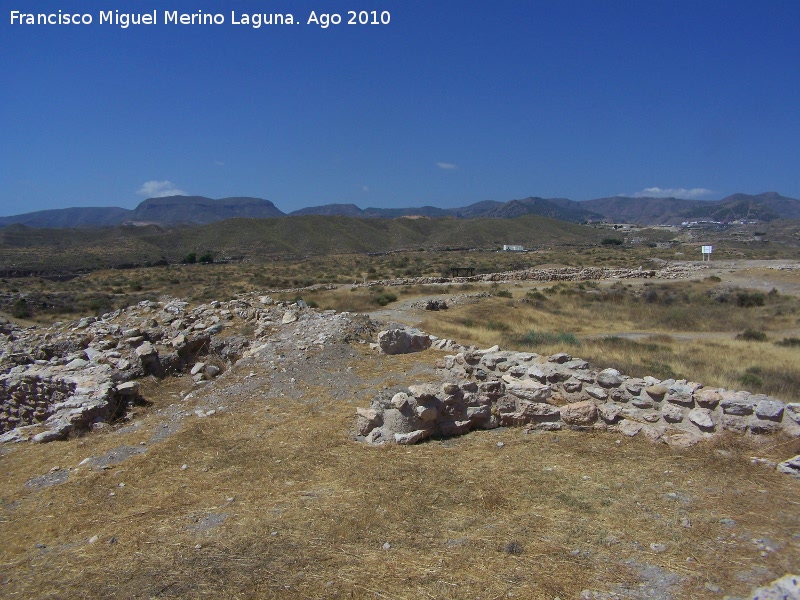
(71, 376)
(30, 397)
(555, 274)
(492, 388)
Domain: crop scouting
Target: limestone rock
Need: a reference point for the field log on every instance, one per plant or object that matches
(785, 588)
(529, 390)
(579, 413)
(791, 466)
(609, 378)
(538, 409)
(657, 391)
(770, 409)
(629, 428)
(412, 437)
(672, 413)
(792, 411)
(707, 398)
(145, 350)
(197, 368)
(424, 392)
(680, 394)
(737, 404)
(702, 417)
(609, 412)
(597, 392)
(129, 388)
(402, 341)
(561, 357)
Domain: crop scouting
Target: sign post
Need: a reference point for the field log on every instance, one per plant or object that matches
(707, 252)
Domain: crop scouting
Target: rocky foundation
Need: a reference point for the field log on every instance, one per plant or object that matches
(485, 389)
(71, 377)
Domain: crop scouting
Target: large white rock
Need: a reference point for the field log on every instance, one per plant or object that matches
(528, 389)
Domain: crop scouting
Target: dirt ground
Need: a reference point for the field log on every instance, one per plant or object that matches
(252, 486)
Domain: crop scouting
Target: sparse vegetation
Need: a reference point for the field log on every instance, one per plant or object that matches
(752, 335)
(317, 528)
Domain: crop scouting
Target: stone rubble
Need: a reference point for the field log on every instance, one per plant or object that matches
(74, 376)
(676, 271)
(491, 388)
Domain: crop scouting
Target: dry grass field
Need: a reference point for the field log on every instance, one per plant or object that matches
(270, 497)
(276, 500)
(700, 330)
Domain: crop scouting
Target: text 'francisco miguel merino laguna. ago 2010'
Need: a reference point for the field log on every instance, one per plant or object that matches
(174, 17)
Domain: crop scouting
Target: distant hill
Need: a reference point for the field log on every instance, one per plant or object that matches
(171, 210)
(198, 210)
(557, 208)
(70, 217)
(47, 251)
(643, 211)
(673, 211)
(343, 210)
(394, 213)
(763, 207)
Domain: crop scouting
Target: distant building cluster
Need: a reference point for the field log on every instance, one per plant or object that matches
(512, 248)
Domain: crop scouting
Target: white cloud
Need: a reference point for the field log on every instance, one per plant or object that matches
(687, 194)
(447, 166)
(159, 189)
(364, 188)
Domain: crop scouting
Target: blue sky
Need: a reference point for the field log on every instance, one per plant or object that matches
(450, 103)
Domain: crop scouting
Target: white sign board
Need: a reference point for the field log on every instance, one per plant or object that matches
(707, 249)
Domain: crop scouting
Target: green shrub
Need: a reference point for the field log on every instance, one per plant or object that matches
(504, 294)
(497, 326)
(752, 335)
(749, 299)
(752, 377)
(751, 380)
(542, 338)
(612, 242)
(206, 258)
(385, 298)
(791, 342)
(190, 258)
(20, 309)
(536, 295)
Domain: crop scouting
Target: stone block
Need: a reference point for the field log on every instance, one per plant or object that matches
(579, 413)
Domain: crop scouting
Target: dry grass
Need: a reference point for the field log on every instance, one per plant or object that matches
(543, 516)
(687, 334)
(278, 501)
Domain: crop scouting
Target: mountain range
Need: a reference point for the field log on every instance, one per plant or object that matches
(199, 210)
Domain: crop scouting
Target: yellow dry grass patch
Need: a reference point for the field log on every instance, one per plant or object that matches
(690, 337)
(276, 500)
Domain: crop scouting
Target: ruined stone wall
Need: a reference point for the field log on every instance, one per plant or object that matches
(554, 274)
(71, 376)
(492, 388)
(29, 397)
